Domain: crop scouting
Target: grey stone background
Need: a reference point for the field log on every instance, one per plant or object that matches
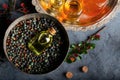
(103, 62)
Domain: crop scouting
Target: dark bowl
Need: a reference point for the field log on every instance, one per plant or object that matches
(21, 31)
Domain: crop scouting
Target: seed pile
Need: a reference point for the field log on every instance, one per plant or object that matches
(24, 59)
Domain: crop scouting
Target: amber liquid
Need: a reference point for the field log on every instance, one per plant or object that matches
(81, 12)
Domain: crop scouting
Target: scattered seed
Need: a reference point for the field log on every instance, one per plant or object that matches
(69, 75)
(85, 69)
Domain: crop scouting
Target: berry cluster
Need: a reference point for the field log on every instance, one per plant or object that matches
(77, 50)
(11, 6)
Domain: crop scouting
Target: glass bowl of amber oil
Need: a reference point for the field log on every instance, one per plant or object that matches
(79, 14)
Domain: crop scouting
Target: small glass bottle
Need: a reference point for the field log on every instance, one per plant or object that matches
(41, 41)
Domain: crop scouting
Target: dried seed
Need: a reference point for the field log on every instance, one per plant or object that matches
(69, 75)
(85, 69)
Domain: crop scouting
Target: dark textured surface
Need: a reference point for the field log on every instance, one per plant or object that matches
(103, 62)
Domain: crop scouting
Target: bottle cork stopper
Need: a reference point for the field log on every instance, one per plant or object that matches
(52, 30)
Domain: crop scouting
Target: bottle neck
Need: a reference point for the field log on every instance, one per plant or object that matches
(52, 31)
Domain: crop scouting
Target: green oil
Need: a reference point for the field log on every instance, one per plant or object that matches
(40, 42)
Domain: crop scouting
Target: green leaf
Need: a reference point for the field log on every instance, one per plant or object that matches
(92, 46)
(84, 51)
(79, 57)
(72, 46)
(80, 44)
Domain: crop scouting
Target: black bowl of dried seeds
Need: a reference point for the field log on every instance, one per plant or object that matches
(22, 30)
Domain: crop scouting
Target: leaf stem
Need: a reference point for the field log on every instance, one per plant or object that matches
(14, 4)
(89, 37)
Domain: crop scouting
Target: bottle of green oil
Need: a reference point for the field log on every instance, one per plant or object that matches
(41, 41)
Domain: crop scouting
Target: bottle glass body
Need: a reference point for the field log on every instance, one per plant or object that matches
(40, 42)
